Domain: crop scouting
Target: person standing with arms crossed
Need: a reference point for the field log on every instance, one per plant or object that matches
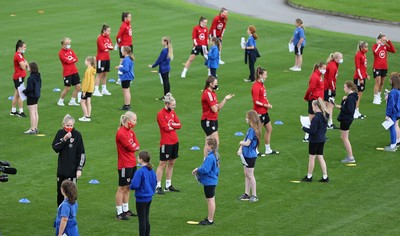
(168, 122)
(124, 36)
(360, 74)
(217, 28)
(330, 78)
(299, 42)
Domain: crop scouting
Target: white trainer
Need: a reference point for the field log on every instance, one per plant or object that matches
(84, 119)
(105, 92)
(61, 104)
(296, 69)
(221, 62)
(73, 103)
(183, 75)
(97, 93)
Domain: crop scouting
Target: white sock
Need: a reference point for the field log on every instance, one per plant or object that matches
(119, 210)
(21, 110)
(379, 94)
(13, 109)
(60, 100)
(184, 70)
(158, 184)
(324, 176)
(309, 176)
(209, 72)
(103, 87)
(329, 122)
(267, 148)
(125, 207)
(96, 88)
(351, 157)
(306, 136)
(167, 183)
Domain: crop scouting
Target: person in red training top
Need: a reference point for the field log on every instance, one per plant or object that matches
(68, 59)
(127, 145)
(380, 68)
(218, 28)
(211, 107)
(20, 67)
(168, 122)
(330, 78)
(360, 74)
(200, 43)
(104, 45)
(261, 106)
(124, 36)
(315, 90)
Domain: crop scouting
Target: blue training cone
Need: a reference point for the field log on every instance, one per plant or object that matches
(94, 181)
(278, 122)
(239, 134)
(195, 148)
(111, 80)
(56, 90)
(24, 200)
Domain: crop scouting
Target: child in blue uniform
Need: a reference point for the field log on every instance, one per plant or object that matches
(66, 214)
(125, 72)
(393, 111)
(213, 57)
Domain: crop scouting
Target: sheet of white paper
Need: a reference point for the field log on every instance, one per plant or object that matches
(242, 42)
(291, 47)
(161, 81)
(243, 160)
(21, 94)
(387, 123)
(305, 121)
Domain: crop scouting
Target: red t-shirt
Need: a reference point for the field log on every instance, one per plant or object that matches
(200, 36)
(124, 36)
(168, 134)
(360, 61)
(103, 45)
(380, 54)
(259, 95)
(18, 71)
(208, 99)
(218, 26)
(330, 75)
(316, 87)
(68, 60)
(127, 144)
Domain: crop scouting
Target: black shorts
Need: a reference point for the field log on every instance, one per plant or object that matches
(379, 72)
(87, 95)
(103, 66)
(251, 162)
(31, 101)
(18, 82)
(345, 125)
(73, 80)
(169, 152)
(360, 87)
(329, 93)
(264, 118)
(316, 148)
(209, 126)
(125, 176)
(196, 50)
(310, 110)
(125, 84)
(296, 50)
(120, 51)
(209, 191)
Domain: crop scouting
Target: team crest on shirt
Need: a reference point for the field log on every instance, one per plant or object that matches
(202, 36)
(220, 26)
(382, 54)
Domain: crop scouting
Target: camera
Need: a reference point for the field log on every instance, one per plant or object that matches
(6, 169)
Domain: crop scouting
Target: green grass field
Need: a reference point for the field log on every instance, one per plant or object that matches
(359, 200)
(369, 8)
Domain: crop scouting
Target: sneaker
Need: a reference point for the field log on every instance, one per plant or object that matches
(398, 144)
(296, 69)
(221, 62)
(21, 114)
(105, 92)
(118, 81)
(129, 213)
(260, 154)
(305, 140)
(84, 119)
(292, 68)
(322, 180)
(332, 126)
(159, 190)
(205, 222)
(248, 81)
(61, 104)
(126, 107)
(97, 94)
(376, 100)
(30, 131)
(348, 160)
(183, 75)
(389, 149)
(73, 103)
(306, 179)
(121, 216)
(244, 197)
(171, 189)
(13, 113)
(273, 152)
(253, 198)
(160, 99)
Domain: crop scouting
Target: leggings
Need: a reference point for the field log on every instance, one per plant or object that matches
(143, 211)
(165, 79)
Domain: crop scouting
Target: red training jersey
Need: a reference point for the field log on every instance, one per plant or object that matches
(124, 36)
(259, 94)
(360, 61)
(68, 60)
(380, 54)
(103, 45)
(218, 26)
(168, 122)
(330, 76)
(18, 71)
(209, 99)
(127, 144)
(315, 87)
(200, 36)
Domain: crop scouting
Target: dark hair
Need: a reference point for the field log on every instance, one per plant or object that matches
(69, 189)
(19, 44)
(222, 10)
(395, 78)
(145, 156)
(209, 80)
(201, 19)
(34, 67)
(104, 28)
(252, 30)
(318, 65)
(124, 15)
(380, 35)
(215, 40)
(259, 72)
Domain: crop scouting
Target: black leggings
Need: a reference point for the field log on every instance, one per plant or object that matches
(165, 79)
(251, 68)
(143, 211)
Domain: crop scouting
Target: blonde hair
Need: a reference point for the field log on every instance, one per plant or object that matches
(129, 115)
(128, 51)
(67, 118)
(91, 60)
(333, 56)
(168, 98)
(65, 39)
(167, 40)
(361, 45)
(321, 105)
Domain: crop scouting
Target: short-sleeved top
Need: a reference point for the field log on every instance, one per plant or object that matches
(297, 35)
(165, 120)
(18, 71)
(251, 41)
(209, 99)
(250, 151)
(200, 36)
(380, 54)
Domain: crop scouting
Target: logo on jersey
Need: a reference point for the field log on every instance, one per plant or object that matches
(382, 54)
(202, 36)
(220, 26)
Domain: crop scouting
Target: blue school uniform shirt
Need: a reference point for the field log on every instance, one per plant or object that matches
(251, 41)
(297, 35)
(393, 104)
(250, 151)
(209, 170)
(213, 57)
(125, 71)
(144, 183)
(67, 210)
(163, 62)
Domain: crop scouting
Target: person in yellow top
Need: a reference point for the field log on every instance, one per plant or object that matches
(88, 88)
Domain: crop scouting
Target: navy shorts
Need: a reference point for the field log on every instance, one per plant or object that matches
(345, 125)
(31, 101)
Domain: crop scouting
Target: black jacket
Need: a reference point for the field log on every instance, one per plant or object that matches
(348, 108)
(33, 85)
(317, 128)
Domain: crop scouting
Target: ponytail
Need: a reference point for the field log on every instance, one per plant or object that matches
(104, 28)
(252, 30)
(167, 40)
(19, 44)
(321, 105)
(318, 65)
(259, 71)
(145, 156)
